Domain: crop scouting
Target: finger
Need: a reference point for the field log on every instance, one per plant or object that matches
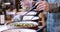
(41, 5)
(41, 2)
(42, 8)
(38, 3)
(46, 7)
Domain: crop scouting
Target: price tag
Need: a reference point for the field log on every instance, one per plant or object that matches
(2, 19)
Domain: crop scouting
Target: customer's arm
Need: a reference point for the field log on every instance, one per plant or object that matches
(43, 5)
(43, 18)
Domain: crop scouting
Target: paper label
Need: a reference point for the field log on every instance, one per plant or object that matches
(2, 19)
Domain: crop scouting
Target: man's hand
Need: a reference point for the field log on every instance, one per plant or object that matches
(42, 5)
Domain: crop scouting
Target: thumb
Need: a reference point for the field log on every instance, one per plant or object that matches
(37, 3)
